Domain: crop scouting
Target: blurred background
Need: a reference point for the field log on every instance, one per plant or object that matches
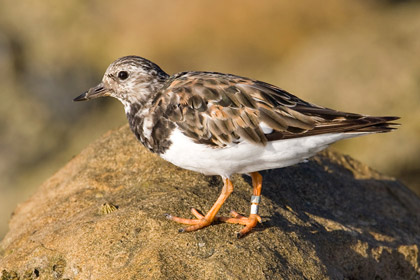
(352, 55)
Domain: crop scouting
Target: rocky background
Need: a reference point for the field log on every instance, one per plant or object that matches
(357, 56)
(102, 217)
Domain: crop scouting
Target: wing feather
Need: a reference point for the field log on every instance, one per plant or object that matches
(221, 109)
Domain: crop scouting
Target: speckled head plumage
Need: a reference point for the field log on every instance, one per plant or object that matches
(130, 79)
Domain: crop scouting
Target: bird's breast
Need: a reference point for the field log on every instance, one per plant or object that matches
(151, 129)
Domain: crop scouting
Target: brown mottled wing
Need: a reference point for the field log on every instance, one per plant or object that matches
(219, 109)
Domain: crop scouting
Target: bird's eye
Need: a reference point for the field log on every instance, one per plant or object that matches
(122, 75)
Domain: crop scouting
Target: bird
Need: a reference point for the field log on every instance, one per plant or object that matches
(224, 124)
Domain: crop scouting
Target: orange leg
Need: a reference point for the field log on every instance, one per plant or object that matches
(203, 221)
(253, 218)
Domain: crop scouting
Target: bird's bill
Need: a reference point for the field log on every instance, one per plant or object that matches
(92, 93)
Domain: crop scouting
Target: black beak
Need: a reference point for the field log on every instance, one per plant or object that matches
(92, 93)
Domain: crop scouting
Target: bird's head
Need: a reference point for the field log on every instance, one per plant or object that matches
(130, 79)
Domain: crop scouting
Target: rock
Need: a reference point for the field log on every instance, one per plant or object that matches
(102, 217)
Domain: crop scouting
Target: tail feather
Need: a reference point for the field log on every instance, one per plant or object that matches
(377, 125)
(371, 124)
(351, 123)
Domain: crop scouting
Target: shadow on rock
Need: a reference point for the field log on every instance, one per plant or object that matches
(358, 225)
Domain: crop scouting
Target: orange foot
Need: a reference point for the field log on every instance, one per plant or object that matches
(249, 222)
(203, 221)
(195, 224)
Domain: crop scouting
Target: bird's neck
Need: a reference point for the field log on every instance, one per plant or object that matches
(133, 101)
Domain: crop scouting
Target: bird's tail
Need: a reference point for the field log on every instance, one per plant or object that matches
(372, 124)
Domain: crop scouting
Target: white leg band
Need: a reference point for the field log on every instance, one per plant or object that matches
(254, 208)
(255, 200)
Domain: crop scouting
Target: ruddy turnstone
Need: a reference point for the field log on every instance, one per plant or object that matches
(222, 124)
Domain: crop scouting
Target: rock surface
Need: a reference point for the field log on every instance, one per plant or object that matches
(102, 217)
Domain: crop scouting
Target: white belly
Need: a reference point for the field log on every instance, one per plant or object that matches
(245, 157)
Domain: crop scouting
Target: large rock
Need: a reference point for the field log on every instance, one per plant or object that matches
(102, 217)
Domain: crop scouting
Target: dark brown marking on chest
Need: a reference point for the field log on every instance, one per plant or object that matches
(157, 141)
